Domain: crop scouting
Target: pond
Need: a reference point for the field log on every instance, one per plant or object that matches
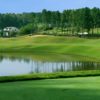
(21, 64)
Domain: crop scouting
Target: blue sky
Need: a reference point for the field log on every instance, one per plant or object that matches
(19, 6)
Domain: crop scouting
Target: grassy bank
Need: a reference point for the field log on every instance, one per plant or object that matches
(56, 75)
(74, 85)
(52, 89)
(51, 44)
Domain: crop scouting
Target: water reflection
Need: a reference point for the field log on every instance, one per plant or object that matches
(16, 65)
(39, 67)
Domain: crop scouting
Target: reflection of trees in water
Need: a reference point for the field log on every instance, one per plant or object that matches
(1, 58)
(37, 67)
(46, 66)
(14, 58)
(31, 71)
(87, 66)
(26, 60)
(59, 68)
(40, 67)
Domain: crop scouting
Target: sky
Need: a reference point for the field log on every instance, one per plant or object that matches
(19, 6)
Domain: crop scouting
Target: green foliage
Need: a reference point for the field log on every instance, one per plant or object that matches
(68, 21)
(44, 27)
(1, 33)
(87, 19)
(28, 29)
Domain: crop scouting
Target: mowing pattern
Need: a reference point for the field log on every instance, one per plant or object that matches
(52, 89)
(52, 44)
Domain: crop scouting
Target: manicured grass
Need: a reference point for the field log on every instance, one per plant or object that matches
(87, 88)
(81, 88)
(52, 44)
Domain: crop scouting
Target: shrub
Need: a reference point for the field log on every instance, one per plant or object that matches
(28, 29)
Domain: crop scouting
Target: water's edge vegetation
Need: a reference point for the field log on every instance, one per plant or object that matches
(56, 75)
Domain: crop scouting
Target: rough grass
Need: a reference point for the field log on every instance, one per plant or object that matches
(52, 89)
(52, 44)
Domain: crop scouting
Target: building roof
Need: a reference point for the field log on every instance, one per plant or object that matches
(10, 29)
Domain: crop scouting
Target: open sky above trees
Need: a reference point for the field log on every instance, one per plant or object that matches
(19, 6)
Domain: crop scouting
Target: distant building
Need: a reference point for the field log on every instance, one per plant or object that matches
(10, 31)
(84, 33)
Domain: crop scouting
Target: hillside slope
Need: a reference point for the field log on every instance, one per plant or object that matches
(51, 44)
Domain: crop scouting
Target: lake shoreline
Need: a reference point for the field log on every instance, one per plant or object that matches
(57, 75)
(51, 45)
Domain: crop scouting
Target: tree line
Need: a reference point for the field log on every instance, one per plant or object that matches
(69, 21)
